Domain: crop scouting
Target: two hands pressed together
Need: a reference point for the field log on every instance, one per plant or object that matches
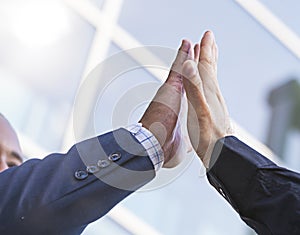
(103, 173)
(194, 71)
(265, 195)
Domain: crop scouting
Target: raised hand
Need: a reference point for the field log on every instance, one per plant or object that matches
(208, 118)
(161, 117)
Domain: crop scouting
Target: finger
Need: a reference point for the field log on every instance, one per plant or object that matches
(184, 52)
(198, 110)
(176, 69)
(190, 54)
(215, 52)
(170, 93)
(206, 52)
(193, 84)
(196, 52)
(208, 62)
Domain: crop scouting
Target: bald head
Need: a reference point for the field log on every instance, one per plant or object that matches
(10, 150)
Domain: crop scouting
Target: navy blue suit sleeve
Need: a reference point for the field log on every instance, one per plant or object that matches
(266, 196)
(45, 197)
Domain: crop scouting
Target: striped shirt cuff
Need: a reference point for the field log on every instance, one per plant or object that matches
(150, 143)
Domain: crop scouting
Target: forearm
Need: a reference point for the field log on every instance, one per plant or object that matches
(50, 194)
(266, 196)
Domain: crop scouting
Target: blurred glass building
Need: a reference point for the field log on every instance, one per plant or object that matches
(50, 49)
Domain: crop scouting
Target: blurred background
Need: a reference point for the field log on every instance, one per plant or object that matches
(48, 48)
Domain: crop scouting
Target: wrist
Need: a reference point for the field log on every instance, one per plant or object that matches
(150, 144)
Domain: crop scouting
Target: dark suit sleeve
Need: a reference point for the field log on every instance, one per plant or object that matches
(266, 196)
(56, 195)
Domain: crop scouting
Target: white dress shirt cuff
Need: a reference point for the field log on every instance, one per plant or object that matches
(150, 143)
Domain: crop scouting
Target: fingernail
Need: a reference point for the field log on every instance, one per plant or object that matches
(210, 35)
(185, 44)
